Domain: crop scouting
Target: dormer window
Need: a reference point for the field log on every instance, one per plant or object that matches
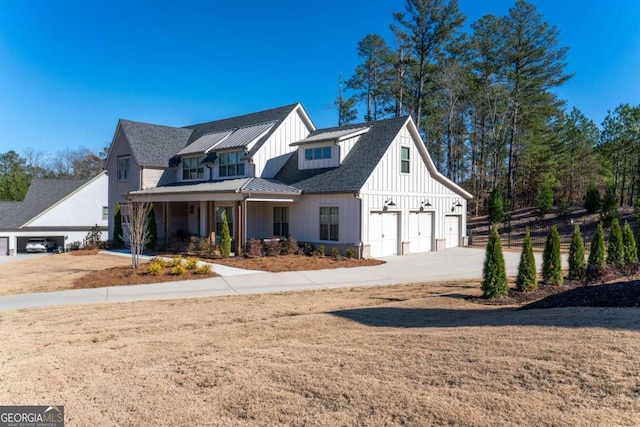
(231, 164)
(317, 153)
(192, 168)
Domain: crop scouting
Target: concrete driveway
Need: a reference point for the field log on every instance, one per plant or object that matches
(21, 256)
(452, 264)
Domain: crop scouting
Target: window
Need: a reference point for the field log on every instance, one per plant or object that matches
(228, 210)
(124, 171)
(404, 159)
(105, 213)
(192, 168)
(281, 221)
(329, 223)
(317, 153)
(231, 164)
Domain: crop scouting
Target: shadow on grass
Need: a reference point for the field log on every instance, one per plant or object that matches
(398, 317)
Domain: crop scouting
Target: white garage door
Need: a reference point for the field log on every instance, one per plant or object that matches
(452, 231)
(383, 234)
(4, 246)
(420, 226)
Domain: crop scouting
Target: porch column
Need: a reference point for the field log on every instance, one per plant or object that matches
(203, 219)
(239, 222)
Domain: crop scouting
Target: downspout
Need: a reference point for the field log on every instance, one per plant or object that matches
(359, 197)
(140, 177)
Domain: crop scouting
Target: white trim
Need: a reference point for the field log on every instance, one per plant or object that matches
(251, 199)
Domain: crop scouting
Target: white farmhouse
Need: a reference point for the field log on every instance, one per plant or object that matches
(371, 187)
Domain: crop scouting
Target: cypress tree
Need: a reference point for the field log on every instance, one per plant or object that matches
(152, 228)
(577, 265)
(494, 273)
(496, 207)
(225, 238)
(551, 261)
(118, 233)
(630, 248)
(596, 252)
(615, 251)
(527, 280)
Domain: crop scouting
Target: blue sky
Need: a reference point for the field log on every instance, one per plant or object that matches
(70, 69)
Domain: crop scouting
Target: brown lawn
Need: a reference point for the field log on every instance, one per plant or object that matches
(90, 269)
(396, 355)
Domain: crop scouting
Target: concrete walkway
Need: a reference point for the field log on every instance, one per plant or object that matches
(452, 264)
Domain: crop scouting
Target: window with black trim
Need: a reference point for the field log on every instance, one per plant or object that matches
(124, 168)
(192, 168)
(329, 223)
(281, 221)
(105, 213)
(317, 153)
(231, 164)
(404, 159)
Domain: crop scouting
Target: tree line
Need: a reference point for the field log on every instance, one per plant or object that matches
(17, 171)
(484, 102)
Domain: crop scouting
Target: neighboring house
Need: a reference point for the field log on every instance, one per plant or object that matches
(371, 187)
(63, 210)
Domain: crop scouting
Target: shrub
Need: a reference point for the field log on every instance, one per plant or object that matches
(494, 274)
(577, 265)
(152, 228)
(592, 198)
(192, 263)
(335, 253)
(351, 253)
(496, 207)
(155, 268)
(254, 248)
(615, 251)
(203, 269)
(596, 252)
(177, 270)
(630, 248)
(290, 246)
(225, 237)
(118, 232)
(322, 250)
(272, 247)
(544, 200)
(609, 205)
(94, 238)
(198, 244)
(527, 280)
(551, 261)
(176, 261)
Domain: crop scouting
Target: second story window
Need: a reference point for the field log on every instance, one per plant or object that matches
(317, 153)
(231, 164)
(405, 159)
(124, 168)
(192, 168)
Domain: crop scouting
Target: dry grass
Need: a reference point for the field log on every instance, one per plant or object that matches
(397, 355)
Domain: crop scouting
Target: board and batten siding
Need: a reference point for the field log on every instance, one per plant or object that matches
(304, 218)
(409, 190)
(273, 154)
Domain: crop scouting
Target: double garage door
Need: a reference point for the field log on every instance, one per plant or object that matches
(4, 246)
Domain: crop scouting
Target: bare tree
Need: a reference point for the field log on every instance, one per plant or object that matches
(136, 214)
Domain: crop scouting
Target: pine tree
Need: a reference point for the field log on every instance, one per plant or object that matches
(225, 238)
(615, 251)
(544, 200)
(596, 252)
(152, 228)
(551, 261)
(494, 273)
(118, 233)
(630, 248)
(592, 200)
(527, 280)
(577, 265)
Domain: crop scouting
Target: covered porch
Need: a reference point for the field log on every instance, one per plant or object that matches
(254, 208)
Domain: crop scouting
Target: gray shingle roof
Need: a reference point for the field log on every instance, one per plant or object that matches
(42, 194)
(154, 145)
(357, 166)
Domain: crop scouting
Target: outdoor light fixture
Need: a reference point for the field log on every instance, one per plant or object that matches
(425, 204)
(456, 204)
(389, 203)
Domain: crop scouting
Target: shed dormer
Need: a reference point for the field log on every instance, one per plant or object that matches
(327, 148)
